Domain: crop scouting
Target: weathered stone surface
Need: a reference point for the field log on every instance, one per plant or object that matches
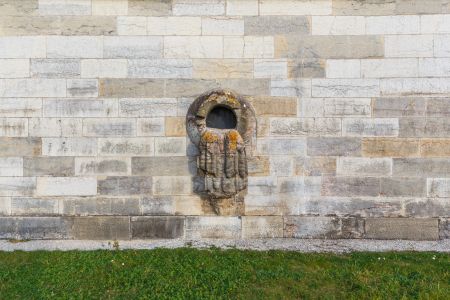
(74, 47)
(276, 25)
(305, 126)
(355, 7)
(262, 227)
(24, 228)
(258, 166)
(370, 127)
(160, 107)
(25, 206)
(424, 127)
(109, 127)
(132, 47)
(48, 166)
(438, 107)
(12, 8)
(350, 186)
(124, 186)
(222, 68)
(131, 88)
(323, 227)
(170, 146)
(151, 126)
(29, 25)
(281, 166)
(163, 166)
(421, 167)
(399, 107)
(345, 88)
(68, 7)
(149, 8)
(88, 25)
(390, 147)
(66, 186)
(13, 127)
(242, 8)
(160, 68)
(109, 7)
(444, 228)
(11, 166)
(281, 146)
(21, 107)
(20, 146)
(435, 147)
(69, 147)
(157, 227)
(213, 227)
(126, 146)
(438, 187)
(355, 166)
(175, 126)
(428, 207)
(403, 187)
(333, 146)
(100, 228)
(158, 205)
(249, 47)
(314, 166)
(172, 185)
(55, 127)
(82, 87)
(80, 108)
(262, 186)
(402, 228)
(306, 68)
(102, 166)
(90, 206)
(17, 186)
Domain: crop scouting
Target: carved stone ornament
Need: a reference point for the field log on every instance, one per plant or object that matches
(222, 125)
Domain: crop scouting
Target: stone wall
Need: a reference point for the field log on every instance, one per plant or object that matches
(351, 96)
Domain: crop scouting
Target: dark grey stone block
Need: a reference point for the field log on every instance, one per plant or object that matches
(157, 227)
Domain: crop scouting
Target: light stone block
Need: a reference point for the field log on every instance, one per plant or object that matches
(434, 67)
(393, 25)
(249, 47)
(80, 108)
(27, 206)
(110, 127)
(19, 8)
(438, 187)
(400, 107)
(13, 127)
(295, 7)
(14, 68)
(109, 7)
(55, 68)
(281, 166)
(151, 127)
(212, 227)
(411, 86)
(82, 87)
(333, 146)
(370, 127)
(338, 25)
(12, 147)
(66, 186)
(125, 185)
(242, 7)
(48, 166)
(222, 26)
(160, 68)
(11, 166)
(347, 107)
(391, 67)
(343, 68)
(74, 47)
(408, 45)
(174, 26)
(132, 47)
(198, 7)
(262, 186)
(277, 25)
(21, 25)
(193, 47)
(421, 167)
(102, 166)
(20, 107)
(17, 186)
(262, 227)
(270, 68)
(222, 68)
(345, 88)
(441, 46)
(127, 25)
(126, 147)
(434, 24)
(305, 126)
(157, 107)
(69, 146)
(278, 146)
(149, 8)
(65, 7)
(55, 127)
(32, 88)
(172, 185)
(5, 206)
(290, 87)
(170, 146)
(104, 68)
(358, 166)
(22, 47)
(363, 8)
(89, 26)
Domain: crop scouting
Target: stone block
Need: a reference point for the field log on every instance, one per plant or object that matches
(74, 47)
(12, 8)
(427, 207)
(14, 68)
(212, 227)
(32, 88)
(222, 68)
(438, 107)
(273, 106)
(28, 146)
(80, 108)
(5, 206)
(149, 8)
(333, 146)
(22, 47)
(125, 186)
(102, 166)
(421, 127)
(270, 68)
(25, 206)
(262, 186)
(411, 86)
(343, 68)
(158, 205)
(281, 166)
(434, 67)
(281, 146)
(48, 166)
(399, 107)
(258, 166)
(132, 47)
(14, 127)
(109, 7)
(338, 25)
(441, 43)
(276, 25)
(170, 146)
(159, 107)
(421, 7)
(294, 188)
(191, 206)
(175, 126)
(444, 228)
(242, 7)
(314, 166)
(82, 87)
(323, 227)
(104, 68)
(66, 186)
(330, 46)
(370, 127)
(55, 127)
(390, 147)
(163, 166)
(255, 227)
(157, 227)
(438, 187)
(222, 26)
(305, 126)
(345, 88)
(421, 167)
(42, 228)
(355, 166)
(294, 7)
(347, 107)
(89, 206)
(434, 148)
(201, 7)
(306, 68)
(17, 186)
(100, 228)
(126, 147)
(408, 45)
(401, 228)
(193, 47)
(434, 24)
(393, 25)
(172, 185)
(363, 8)
(109, 127)
(249, 47)
(403, 187)
(151, 127)
(89, 25)
(174, 25)
(160, 68)
(127, 25)
(68, 7)
(11, 166)
(21, 107)
(351, 186)
(21, 25)
(389, 67)
(69, 147)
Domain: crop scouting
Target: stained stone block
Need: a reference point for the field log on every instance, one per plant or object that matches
(314, 166)
(48, 166)
(294, 7)
(170, 146)
(281, 146)
(157, 227)
(399, 107)
(29, 25)
(262, 227)
(160, 107)
(402, 228)
(306, 68)
(338, 25)
(164, 166)
(158, 205)
(258, 166)
(89, 25)
(23, 206)
(125, 186)
(212, 227)
(421, 167)
(151, 127)
(17, 186)
(14, 127)
(54, 68)
(172, 185)
(21, 107)
(262, 186)
(434, 147)
(356, 7)
(438, 107)
(370, 127)
(82, 87)
(16, 8)
(126, 146)
(403, 187)
(438, 187)
(390, 147)
(109, 127)
(69, 147)
(80, 108)
(132, 47)
(102, 166)
(20, 146)
(355, 166)
(222, 68)
(193, 46)
(333, 146)
(100, 228)
(428, 207)
(32, 88)
(89, 206)
(68, 7)
(24, 228)
(348, 107)
(424, 127)
(270, 68)
(128, 25)
(149, 8)
(175, 126)
(276, 25)
(55, 127)
(345, 88)
(291, 88)
(351, 186)
(305, 126)
(323, 227)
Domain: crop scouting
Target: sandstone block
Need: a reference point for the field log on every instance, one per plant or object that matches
(21, 107)
(69, 147)
(399, 107)
(345, 88)
(20, 146)
(127, 25)
(80, 108)
(323, 227)
(109, 7)
(281, 166)
(160, 107)
(172, 185)
(68, 7)
(435, 148)
(175, 126)
(191, 206)
(100, 228)
(74, 47)
(370, 127)
(14, 68)
(104, 68)
(276, 25)
(132, 47)
(274, 106)
(222, 68)
(262, 227)
(348, 107)
(294, 188)
(293, 7)
(222, 26)
(262, 186)
(212, 227)
(55, 127)
(170, 146)
(427, 207)
(126, 147)
(202, 7)
(333, 146)
(305, 126)
(22, 47)
(66, 186)
(33, 228)
(409, 45)
(11, 166)
(89, 25)
(102, 166)
(32, 88)
(314, 166)
(258, 166)
(149, 8)
(355, 166)
(421, 167)
(17, 186)
(402, 228)
(281, 146)
(151, 127)
(48, 166)
(338, 25)
(109, 127)
(82, 87)
(125, 186)
(24, 206)
(163, 166)
(19, 8)
(403, 187)
(193, 47)
(343, 68)
(390, 147)
(351, 186)
(157, 227)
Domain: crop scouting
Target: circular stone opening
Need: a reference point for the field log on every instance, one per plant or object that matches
(221, 117)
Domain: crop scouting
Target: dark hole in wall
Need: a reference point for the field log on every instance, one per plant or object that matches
(221, 117)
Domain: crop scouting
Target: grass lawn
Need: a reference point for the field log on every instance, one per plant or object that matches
(220, 274)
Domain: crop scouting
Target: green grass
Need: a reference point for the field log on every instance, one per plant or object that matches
(222, 274)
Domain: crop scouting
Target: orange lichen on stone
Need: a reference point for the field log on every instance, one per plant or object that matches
(210, 137)
(233, 139)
